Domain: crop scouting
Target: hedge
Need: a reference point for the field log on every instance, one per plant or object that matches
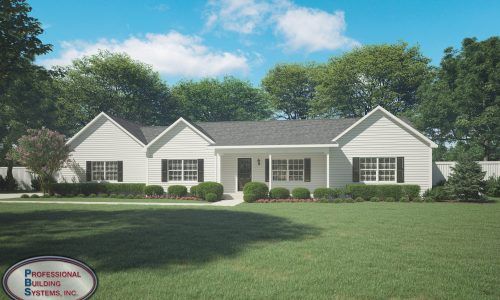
(382, 191)
(327, 193)
(209, 187)
(259, 190)
(97, 188)
(177, 190)
(153, 190)
(279, 193)
(301, 193)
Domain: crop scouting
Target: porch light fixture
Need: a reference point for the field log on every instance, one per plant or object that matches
(258, 161)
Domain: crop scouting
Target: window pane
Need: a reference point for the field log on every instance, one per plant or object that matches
(190, 170)
(296, 169)
(97, 170)
(279, 169)
(368, 169)
(387, 169)
(111, 170)
(174, 168)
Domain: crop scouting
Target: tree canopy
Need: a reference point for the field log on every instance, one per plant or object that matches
(356, 82)
(461, 104)
(229, 99)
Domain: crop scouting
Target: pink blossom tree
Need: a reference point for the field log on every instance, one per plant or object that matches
(42, 151)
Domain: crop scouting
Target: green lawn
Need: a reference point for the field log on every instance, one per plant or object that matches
(89, 199)
(286, 251)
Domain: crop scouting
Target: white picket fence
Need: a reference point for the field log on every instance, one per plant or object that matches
(21, 175)
(441, 170)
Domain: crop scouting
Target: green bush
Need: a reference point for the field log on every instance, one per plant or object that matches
(92, 195)
(250, 197)
(88, 188)
(211, 197)
(382, 191)
(301, 193)
(130, 196)
(493, 187)
(389, 199)
(338, 200)
(359, 199)
(258, 189)
(404, 198)
(194, 191)
(82, 195)
(35, 196)
(374, 199)
(466, 182)
(25, 196)
(177, 190)
(153, 190)
(210, 187)
(279, 193)
(103, 195)
(326, 193)
(438, 193)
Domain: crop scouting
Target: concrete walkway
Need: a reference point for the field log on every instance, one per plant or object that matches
(219, 203)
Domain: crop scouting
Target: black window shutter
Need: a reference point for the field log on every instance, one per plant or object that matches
(164, 170)
(267, 169)
(201, 170)
(88, 171)
(307, 169)
(120, 171)
(355, 169)
(401, 169)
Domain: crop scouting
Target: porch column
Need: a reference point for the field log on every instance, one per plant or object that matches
(217, 168)
(270, 171)
(328, 169)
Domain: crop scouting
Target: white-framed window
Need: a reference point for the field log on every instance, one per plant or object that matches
(182, 170)
(288, 170)
(375, 169)
(104, 170)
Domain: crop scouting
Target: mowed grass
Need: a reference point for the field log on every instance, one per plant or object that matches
(257, 251)
(98, 199)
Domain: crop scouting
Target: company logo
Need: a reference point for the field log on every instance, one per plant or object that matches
(49, 277)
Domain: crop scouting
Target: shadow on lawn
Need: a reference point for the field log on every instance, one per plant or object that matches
(117, 240)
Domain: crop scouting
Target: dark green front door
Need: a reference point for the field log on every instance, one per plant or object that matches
(244, 172)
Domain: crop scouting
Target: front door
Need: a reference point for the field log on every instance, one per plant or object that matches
(244, 172)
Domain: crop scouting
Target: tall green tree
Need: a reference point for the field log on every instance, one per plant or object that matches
(291, 89)
(461, 104)
(388, 75)
(116, 84)
(19, 42)
(229, 99)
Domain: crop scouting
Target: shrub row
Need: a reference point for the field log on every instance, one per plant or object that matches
(208, 191)
(253, 191)
(382, 191)
(97, 188)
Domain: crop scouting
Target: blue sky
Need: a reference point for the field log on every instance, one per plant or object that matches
(244, 38)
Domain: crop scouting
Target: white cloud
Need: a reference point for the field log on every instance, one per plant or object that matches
(171, 54)
(313, 30)
(301, 27)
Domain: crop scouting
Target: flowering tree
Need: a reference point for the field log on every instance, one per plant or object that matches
(43, 152)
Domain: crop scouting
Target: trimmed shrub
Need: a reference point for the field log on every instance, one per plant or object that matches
(210, 187)
(374, 199)
(493, 187)
(338, 200)
(279, 193)
(121, 196)
(359, 199)
(153, 190)
(194, 190)
(92, 195)
(25, 196)
(250, 197)
(389, 199)
(177, 190)
(88, 188)
(211, 197)
(258, 189)
(34, 196)
(103, 195)
(326, 193)
(438, 193)
(82, 195)
(113, 196)
(404, 199)
(382, 191)
(131, 196)
(301, 193)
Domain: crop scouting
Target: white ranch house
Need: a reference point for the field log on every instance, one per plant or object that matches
(378, 148)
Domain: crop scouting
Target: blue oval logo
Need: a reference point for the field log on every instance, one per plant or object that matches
(50, 277)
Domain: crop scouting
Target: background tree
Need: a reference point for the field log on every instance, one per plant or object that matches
(116, 84)
(389, 75)
(229, 99)
(42, 151)
(461, 105)
(18, 40)
(291, 88)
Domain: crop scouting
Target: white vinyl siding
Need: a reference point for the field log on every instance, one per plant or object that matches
(104, 141)
(379, 136)
(181, 143)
